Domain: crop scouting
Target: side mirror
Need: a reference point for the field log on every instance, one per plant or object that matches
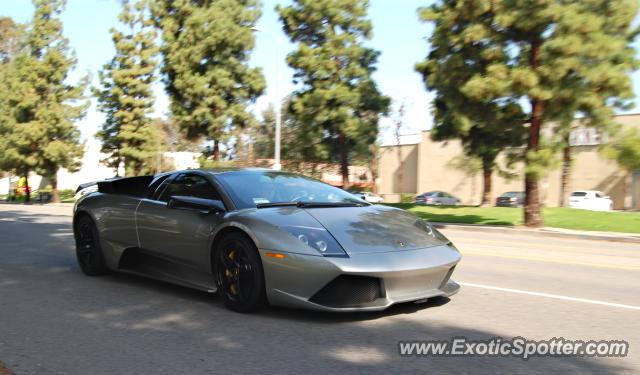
(196, 204)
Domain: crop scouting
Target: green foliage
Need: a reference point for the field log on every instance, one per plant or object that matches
(624, 148)
(407, 198)
(461, 49)
(125, 95)
(548, 59)
(338, 102)
(300, 143)
(39, 134)
(206, 48)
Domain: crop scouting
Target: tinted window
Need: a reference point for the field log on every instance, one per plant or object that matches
(190, 185)
(247, 189)
(153, 187)
(578, 194)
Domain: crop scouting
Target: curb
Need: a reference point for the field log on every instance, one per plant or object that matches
(543, 232)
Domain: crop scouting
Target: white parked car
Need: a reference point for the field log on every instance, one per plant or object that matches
(370, 197)
(590, 200)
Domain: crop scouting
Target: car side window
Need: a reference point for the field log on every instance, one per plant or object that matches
(190, 185)
(598, 195)
(153, 189)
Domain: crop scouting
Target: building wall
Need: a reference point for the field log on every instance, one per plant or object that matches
(434, 171)
(390, 169)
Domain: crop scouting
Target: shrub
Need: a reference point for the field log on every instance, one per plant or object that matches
(407, 198)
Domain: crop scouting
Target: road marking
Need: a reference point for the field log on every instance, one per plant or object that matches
(550, 260)
(554, 296)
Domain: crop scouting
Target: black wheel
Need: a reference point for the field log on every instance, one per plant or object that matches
(88, 250)
(239, 274)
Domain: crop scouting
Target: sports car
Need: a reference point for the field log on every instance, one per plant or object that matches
(259, 237)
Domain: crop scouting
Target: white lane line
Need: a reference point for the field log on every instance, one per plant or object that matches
(555, 296)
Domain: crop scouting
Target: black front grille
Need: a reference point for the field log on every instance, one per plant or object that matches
(349, 291)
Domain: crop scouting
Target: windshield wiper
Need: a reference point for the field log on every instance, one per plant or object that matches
(311, 204)
(278, 204)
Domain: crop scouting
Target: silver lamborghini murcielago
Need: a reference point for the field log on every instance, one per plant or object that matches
(261, 237)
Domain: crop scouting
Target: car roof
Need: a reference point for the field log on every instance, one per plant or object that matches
(222, 170)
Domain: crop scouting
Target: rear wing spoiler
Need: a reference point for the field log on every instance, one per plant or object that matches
(135, 186)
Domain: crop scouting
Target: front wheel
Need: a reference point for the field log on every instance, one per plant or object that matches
(88, 250)
(239, 274)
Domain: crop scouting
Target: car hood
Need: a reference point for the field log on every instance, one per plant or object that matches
(374, 229)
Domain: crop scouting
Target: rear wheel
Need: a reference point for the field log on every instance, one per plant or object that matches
(239, 274)
(88, 250)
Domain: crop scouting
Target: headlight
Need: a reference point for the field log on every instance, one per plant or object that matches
(318, 239)
(433, 232)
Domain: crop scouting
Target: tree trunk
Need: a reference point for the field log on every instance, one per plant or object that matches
(373, 168)
(27, 197)
(216, 150)
(565, 178)
(55, 195)
(486, 185)
(400, 170)
(532, 217)
(344, 160)
(628, 182)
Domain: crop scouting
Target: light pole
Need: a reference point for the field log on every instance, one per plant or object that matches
(276, 165)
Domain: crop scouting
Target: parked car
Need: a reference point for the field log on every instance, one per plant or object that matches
(437, 198)
(511, 199)
(262, 237)
(590, 200)
(370, 197)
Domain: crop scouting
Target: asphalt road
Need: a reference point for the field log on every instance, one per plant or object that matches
(54, 320)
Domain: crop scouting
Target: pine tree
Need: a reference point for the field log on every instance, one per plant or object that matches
(338, 96)
(301, 144)
(562, 59)
(624, 148)
(458, 53)
(125, 95)
(12, 43)
(44, 137)
(206, 49)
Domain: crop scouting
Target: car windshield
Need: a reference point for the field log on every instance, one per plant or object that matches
(511, 194)
(578, 194)
(250, 189)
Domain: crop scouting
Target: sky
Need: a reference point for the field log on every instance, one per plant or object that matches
(397, 34)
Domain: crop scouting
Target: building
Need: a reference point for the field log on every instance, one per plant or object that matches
(425, 165)
(92, 169)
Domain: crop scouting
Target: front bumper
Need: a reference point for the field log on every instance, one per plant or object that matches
(403, 276)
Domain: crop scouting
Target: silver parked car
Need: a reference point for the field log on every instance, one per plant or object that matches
(437, 198)
(261, 236)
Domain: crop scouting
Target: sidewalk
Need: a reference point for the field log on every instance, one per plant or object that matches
(544, 232)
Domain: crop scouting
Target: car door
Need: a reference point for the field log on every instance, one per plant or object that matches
(449, 199)
(179, 234)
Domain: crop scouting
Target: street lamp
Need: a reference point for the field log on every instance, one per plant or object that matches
(276, 165)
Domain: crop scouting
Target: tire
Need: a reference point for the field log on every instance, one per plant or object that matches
(88, 250)
(239, 274)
